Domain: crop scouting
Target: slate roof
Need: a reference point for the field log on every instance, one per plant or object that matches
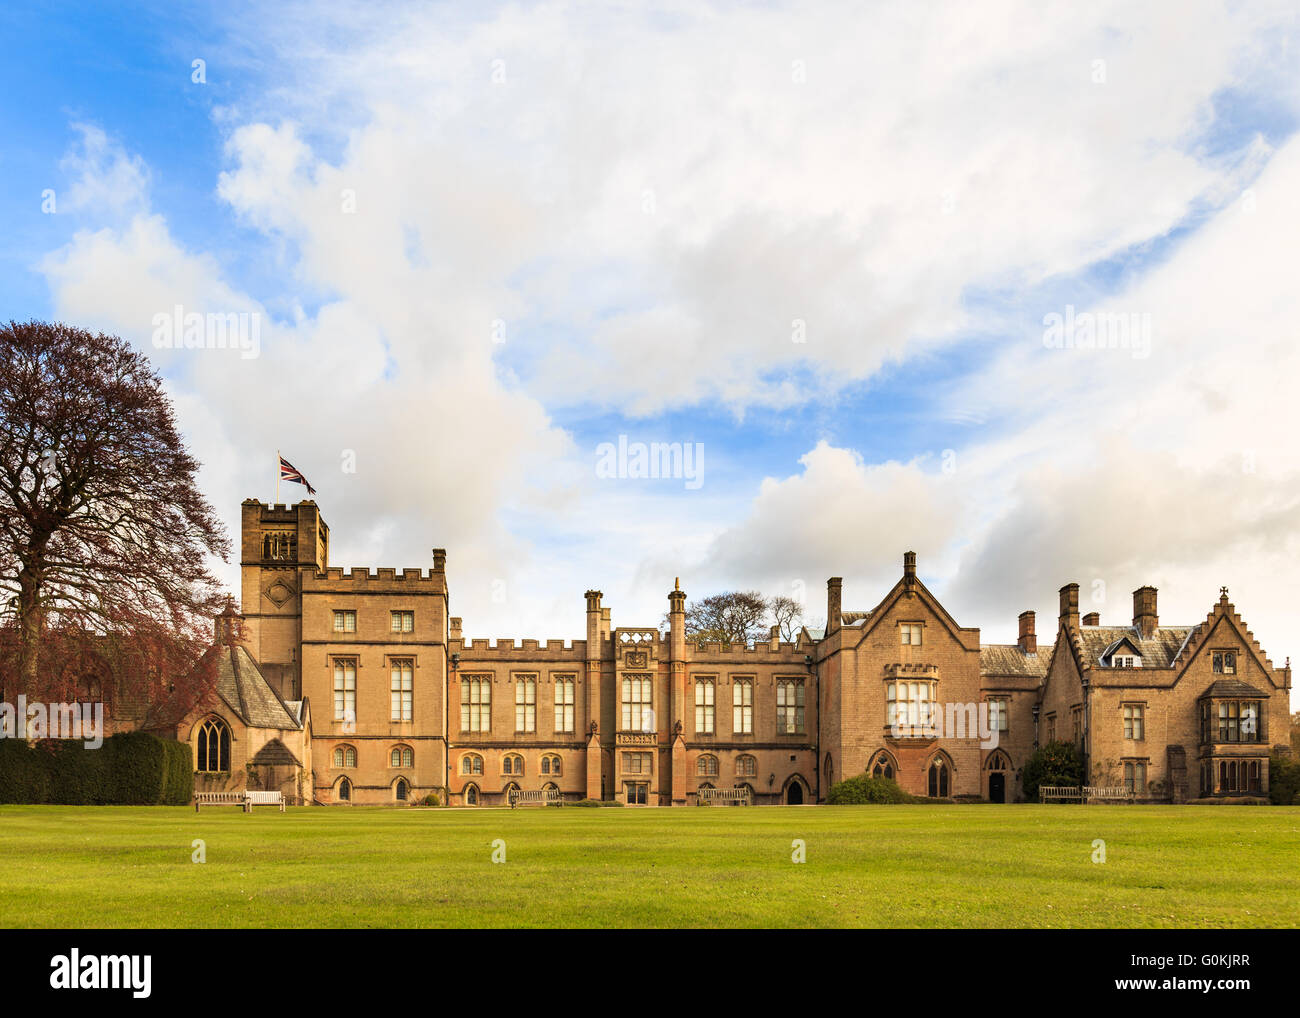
(1009, 659)
(243, 687)
(1234, 687)
(855, 618)
(275, 754)
(1157, 650)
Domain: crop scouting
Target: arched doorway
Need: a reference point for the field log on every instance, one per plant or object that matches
(345, 790)
(471, 795)
(997, 766)
(403, 790)
(794, 793)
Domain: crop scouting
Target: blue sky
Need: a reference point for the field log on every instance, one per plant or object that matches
(648, 202)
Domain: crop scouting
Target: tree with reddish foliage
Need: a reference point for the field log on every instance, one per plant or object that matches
(104, 535)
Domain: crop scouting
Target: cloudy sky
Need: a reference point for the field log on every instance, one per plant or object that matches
(1009, 284)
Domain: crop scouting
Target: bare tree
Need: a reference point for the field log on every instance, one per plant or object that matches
(787, 614)
(733, 617)
(104, 535)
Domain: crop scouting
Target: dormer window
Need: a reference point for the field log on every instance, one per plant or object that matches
(1126, 661)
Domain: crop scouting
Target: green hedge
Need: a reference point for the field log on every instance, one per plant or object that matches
(1055, 764)
(130, 769)
(1283, 781)
(862, 790)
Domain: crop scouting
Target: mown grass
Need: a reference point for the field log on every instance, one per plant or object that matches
(917, 866)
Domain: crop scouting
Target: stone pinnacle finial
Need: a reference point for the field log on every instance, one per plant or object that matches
(677, 583)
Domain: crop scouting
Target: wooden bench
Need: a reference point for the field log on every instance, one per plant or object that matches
(1085, 795)
(246, 800)
(218, 799)
(252, 799)
(535, 797)
(1095, 793)
(729, 796)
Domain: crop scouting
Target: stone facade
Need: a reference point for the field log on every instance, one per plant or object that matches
(405, 706)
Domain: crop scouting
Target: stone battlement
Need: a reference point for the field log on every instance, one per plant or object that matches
(506, 649)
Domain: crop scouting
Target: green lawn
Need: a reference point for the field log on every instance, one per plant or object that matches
(945, 866)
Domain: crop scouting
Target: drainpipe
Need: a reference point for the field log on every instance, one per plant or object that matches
(446, 740)
(811, 665)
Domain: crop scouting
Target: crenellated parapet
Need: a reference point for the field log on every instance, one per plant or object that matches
(524, 651)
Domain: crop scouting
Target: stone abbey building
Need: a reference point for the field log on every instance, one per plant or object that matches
(358, 687)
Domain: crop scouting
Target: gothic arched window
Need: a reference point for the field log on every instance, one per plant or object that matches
(214, 747)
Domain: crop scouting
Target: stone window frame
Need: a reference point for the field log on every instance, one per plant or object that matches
(1133, 718)
(343, 660)
(469, 710)
(1003, 715)
(797, 710)
(341, 752)
(525, 684)
(398, 618)
(1217, 656)
(911, 628)
(565, 705)
(742, 709)
(920, 710)
(1129, 766)
(406, 699)
(342, 618)
(708, 710)
(405, 756)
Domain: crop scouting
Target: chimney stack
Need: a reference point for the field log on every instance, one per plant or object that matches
(833, 586)
(1092, 619)
(439, 560)
(1145, 619)
(453, 632)
(1070, 605)
(1027, 641)
(226, 625)
(909, 563)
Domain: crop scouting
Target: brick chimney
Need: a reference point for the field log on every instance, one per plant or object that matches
(1145, 619)
(1092, 619)
(833, 588)
(1027, 641)
(1070, 605)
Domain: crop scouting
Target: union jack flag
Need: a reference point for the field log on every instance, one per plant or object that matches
(288, 472)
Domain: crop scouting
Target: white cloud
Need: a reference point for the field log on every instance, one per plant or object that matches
(647, 202)
(104, 178)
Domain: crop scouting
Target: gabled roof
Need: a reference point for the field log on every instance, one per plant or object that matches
(1009, 659)
(1233, 687)
(244, 689)
(908, 584)
(1157, 650)
(275, 754)
(849, 619)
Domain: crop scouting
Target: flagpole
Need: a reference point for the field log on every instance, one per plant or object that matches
(277, 476)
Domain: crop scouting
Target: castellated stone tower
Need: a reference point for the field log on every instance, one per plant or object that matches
(278, 544)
